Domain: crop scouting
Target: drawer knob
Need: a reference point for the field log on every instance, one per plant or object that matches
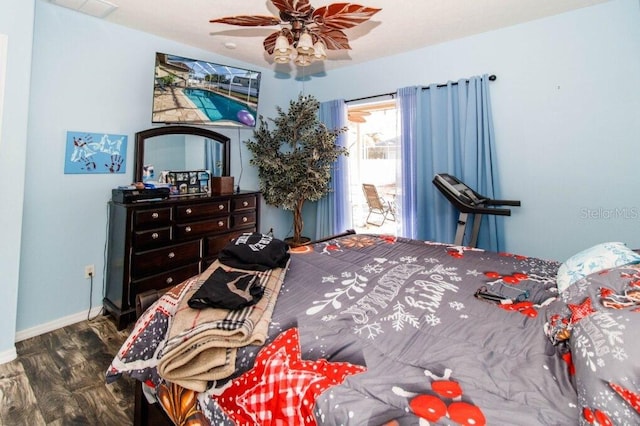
(245, 203)
(220, 206)
(169, 280)
(155, 235)
(187, 229)
(220, 223)
(245, 219)
(155, 215)
(171, 255)
(188, 211)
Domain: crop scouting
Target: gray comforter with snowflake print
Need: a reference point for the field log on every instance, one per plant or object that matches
(433, 351)
(406, 310)
(596, 321)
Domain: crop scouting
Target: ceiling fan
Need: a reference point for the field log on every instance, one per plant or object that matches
(310, 30)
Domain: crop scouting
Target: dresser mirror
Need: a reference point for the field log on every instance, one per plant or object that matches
(180, 148)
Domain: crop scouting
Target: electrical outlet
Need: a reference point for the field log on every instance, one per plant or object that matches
(89, 271)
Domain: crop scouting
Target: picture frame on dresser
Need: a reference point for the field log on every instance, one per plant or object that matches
(156, 244)
(189, 182)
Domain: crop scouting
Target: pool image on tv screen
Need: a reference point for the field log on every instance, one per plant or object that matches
(190, 91)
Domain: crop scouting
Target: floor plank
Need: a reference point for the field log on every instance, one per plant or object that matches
(59, 379)
(101, 405)
(49, 387)
(18, 404)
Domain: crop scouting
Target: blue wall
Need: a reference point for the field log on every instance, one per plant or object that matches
(92, 76)
(565, 108)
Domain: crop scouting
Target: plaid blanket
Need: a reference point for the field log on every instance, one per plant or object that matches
(202, 343)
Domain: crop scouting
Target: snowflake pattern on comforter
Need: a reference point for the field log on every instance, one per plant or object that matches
(406, 311)
(596, 320)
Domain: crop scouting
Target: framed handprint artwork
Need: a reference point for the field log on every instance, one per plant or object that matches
(89, 153)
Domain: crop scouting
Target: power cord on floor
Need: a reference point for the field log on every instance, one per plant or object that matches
(104, 272)
(90, 296)
(89, 318)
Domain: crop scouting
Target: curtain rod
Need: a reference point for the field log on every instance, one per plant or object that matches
(492, 77)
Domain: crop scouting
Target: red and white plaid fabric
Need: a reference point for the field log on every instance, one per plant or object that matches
(581, 311)
(281, 388)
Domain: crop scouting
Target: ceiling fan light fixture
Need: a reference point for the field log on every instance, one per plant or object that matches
(303, 60)
(305, 44)
(281, 58)
(282, 45)
(319, 52)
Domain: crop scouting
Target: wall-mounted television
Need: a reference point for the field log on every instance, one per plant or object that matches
(190, 91)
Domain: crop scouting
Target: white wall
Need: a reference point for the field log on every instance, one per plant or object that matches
(17, 26)
(566, 109)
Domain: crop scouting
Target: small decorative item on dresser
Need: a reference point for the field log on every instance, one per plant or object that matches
(222, 185)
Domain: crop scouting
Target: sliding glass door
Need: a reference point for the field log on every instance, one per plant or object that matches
(373, 158)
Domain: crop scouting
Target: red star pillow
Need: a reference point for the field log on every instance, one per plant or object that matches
(580, 311)
(282, 388)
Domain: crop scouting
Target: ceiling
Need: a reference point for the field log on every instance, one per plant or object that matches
(401, 25)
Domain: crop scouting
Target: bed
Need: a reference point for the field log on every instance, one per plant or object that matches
(382, 330)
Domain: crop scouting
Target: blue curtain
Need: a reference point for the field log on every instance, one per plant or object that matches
(446, 129)
(333, 213)
(407, 103)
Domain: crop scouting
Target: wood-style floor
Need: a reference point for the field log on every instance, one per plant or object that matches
(59, 379)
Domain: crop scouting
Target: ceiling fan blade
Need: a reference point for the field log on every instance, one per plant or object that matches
(248, 20)
(294, 8)
(332, 39)
(343, 15)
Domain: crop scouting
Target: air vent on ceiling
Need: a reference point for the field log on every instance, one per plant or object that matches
(97, 8)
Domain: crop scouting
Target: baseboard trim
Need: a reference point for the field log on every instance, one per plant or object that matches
(56, 324)
(8, 356)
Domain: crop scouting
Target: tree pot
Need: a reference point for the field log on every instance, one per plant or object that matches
(303, 241)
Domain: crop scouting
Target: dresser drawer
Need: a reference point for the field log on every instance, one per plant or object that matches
(152, 217)
(154, 245)
(244, 203)
(196, 229)
(151, 237)
(214, 244)
(202, 210)
(151, 262)
(165, 279)
(248, 218)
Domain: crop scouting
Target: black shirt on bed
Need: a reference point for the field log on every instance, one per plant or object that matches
(255, 251)
(227, 290)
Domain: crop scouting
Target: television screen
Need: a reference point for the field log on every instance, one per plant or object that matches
(189, 91)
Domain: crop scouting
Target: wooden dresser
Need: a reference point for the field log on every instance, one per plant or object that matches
(153, 245)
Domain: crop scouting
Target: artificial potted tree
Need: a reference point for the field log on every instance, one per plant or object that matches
(295, 158)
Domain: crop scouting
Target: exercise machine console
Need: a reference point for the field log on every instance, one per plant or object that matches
(469, 202)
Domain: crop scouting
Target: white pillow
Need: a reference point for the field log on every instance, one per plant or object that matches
(597, 258)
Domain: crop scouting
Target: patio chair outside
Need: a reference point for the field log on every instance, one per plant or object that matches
(377, 205)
